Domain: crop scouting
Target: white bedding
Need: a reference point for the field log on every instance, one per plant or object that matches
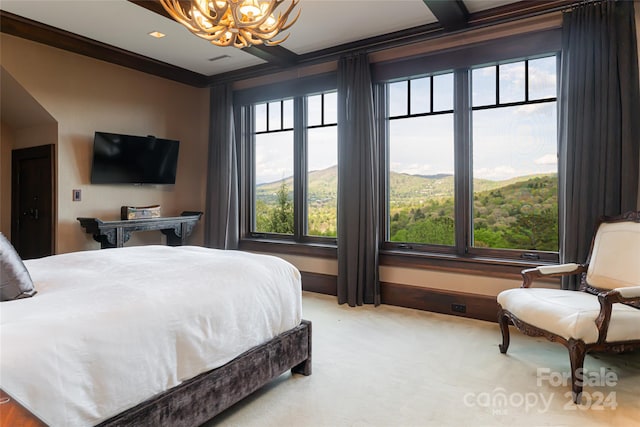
(111, 328)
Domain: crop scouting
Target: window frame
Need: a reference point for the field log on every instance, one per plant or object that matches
(244, 105)
(461, 62)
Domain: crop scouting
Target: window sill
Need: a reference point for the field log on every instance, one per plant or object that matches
(475, 265)
(287, 247)
(485, 266)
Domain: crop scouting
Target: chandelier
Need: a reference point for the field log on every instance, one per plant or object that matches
(238, 23)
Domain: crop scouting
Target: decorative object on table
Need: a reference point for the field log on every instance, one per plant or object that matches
(140, 212)
(238, 23)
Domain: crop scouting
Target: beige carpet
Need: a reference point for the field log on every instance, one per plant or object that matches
(390, 366)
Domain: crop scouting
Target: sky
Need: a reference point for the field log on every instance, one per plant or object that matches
(506, 141)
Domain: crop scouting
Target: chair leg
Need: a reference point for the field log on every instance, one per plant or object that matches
(503, 320)
(577, 352)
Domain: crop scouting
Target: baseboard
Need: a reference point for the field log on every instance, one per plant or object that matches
(320, 283)
(481, 307)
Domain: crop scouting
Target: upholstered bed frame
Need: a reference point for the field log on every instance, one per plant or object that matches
(201, 398)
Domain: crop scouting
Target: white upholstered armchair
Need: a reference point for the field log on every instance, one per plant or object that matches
(600, 316)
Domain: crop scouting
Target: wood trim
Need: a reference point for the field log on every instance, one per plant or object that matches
(12, 413)
(481, 307)
(501, 268)
(320, 283)
(35, 31)
(288, 247)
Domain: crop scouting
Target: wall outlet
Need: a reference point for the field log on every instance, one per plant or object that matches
(459, 308)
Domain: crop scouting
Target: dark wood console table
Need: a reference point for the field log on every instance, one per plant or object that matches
(114, 234)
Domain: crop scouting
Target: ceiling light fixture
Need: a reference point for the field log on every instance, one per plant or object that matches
(238, 23)
(157, 34)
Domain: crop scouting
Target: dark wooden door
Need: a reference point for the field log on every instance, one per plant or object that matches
(32, 189)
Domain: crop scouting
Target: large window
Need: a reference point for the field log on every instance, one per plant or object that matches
(515, 167)
(471, 160)
(293, 155)
(421, 160)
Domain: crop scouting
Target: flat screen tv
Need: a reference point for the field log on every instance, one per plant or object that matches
(128, 159)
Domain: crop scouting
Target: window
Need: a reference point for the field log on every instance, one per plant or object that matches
(322, 164)
(515, 168)
(291, 149)
(273, 165)
(421, 160)
(471, 160)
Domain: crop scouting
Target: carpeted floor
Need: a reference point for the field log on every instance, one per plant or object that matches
(391, 366)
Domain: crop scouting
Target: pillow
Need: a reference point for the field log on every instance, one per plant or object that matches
(15, 281)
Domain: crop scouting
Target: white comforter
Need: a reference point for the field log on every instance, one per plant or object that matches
(111, 328)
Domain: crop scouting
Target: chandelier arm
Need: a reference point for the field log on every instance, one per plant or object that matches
(224, 26)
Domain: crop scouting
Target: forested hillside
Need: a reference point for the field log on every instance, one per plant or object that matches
(517, 213)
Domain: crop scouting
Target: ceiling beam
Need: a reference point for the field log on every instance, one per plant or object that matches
(451, 14)
(275, 55)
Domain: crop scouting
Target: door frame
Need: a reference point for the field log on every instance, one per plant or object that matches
(17, 154)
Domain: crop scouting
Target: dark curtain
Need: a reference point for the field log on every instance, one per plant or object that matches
(598, 122)
(221, 215)
(358, 171)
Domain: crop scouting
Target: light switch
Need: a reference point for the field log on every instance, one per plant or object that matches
(77, 195)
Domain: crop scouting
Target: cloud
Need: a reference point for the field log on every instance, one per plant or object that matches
(547, 159)
(496, 173)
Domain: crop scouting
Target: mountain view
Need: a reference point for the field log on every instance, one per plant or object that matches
(519, 213)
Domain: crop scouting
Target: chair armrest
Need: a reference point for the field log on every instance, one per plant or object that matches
(629, 292)
(606, 299)
(551, 271)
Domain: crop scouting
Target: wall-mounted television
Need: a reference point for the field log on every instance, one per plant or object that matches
(128, 159)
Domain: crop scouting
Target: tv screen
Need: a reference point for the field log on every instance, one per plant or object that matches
(128, 159)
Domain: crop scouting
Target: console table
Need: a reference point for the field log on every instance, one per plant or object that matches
(114, 234)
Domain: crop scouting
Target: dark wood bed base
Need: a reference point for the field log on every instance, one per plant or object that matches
(199, 399)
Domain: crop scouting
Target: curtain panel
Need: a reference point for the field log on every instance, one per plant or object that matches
(358, 184)
(222, 210)
(599, 122)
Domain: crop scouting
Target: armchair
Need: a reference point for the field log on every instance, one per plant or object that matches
(602, 316)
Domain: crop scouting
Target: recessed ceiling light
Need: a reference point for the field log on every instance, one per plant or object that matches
(157, 34)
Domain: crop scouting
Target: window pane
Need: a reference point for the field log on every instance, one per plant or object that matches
(314, 110)
(331, 108)
(484, 86)
(274, 182)
(420, 95)
(443, 92)
(260, 119)
(512, 82)
(275, 122)
(542, 78)
(287, 110)
(398, 98)
(322, 181)
(421, 180)
(515, 178)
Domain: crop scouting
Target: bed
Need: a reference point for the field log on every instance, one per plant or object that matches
(150, 335)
